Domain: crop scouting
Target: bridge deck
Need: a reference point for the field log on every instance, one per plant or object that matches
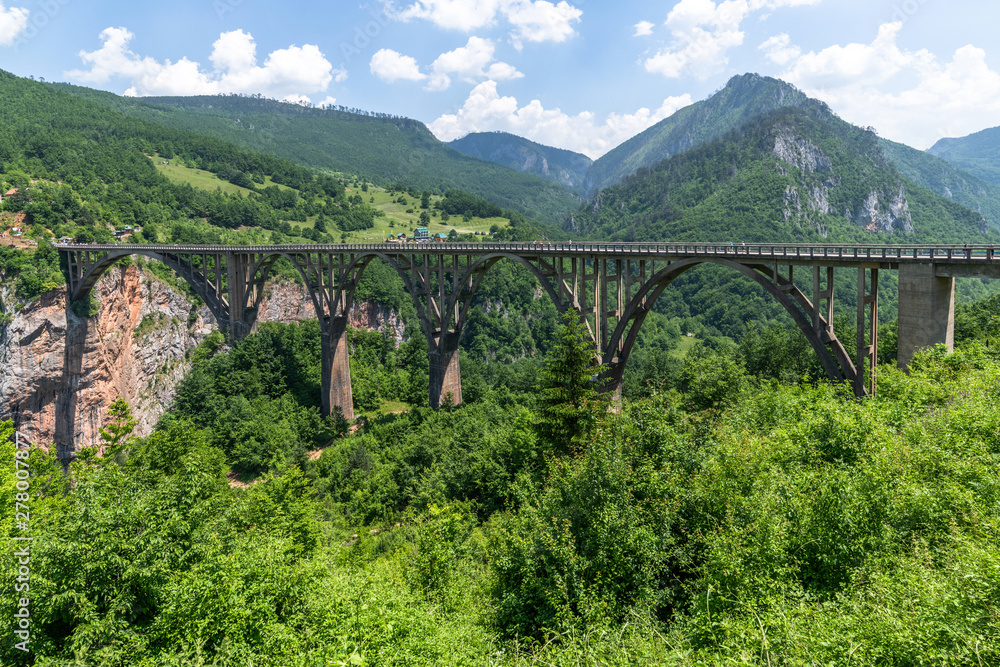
(888, 256)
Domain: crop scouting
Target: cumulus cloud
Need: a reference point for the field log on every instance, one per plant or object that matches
(290, 73)
(703, 31)
(486, 110)
(470, 63)
(13, 21)
(391, 66)
(530, 20)
(780, 50)
(643, 28)
(908, 96)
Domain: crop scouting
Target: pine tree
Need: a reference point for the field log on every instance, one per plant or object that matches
(571, 401)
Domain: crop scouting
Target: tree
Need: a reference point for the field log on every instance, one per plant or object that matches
(570, 399)
(117, 433)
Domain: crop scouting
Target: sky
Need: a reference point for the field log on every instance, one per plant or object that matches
(576, 74)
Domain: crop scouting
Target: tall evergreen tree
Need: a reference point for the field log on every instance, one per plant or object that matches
(570, 400)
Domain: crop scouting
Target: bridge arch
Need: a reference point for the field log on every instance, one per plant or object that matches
(211, 294)
(837, 364)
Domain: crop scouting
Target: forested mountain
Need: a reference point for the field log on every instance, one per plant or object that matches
(384, 148)
(566, 168)
(795, 174)
(945, 179)
(977, 153)
(743, 98)
(79, 168)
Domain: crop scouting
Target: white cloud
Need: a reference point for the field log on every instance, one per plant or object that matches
(486, 110)
(780, 50)
(643, 28)
(542, 21)
(295, 71)
(908, 96)
(470, 63)
(530, 20)
(703, 31)
(301, 100)
(13, 21)
(329, 101)
(391, 66)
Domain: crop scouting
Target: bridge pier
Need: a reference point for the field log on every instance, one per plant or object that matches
(336, 367)
(926, 311)
(445, 374)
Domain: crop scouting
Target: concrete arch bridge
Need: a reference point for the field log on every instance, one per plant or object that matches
(612, 285)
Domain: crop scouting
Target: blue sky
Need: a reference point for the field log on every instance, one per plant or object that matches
(577, 74)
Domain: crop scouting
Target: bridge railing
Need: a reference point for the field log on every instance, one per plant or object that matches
(860, 252)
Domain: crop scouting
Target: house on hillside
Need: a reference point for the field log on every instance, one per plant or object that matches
(440, 238)
(421, 233)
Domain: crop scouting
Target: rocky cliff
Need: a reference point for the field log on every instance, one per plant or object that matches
(59, 372)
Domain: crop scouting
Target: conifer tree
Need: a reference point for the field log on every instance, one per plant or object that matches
(571, 401)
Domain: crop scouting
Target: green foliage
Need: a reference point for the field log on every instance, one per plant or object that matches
(382, 148)
(570, 402)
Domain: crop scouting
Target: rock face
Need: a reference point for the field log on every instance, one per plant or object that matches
(59, 372)
(883, 210)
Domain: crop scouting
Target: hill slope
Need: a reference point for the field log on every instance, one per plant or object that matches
(977, 153)
(945, 179)
(384, 148)
(796, 174)
(564, 167)
(743, 98)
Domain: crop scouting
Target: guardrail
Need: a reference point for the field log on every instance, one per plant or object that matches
(917, 253)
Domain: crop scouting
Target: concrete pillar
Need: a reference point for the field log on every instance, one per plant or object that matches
(926, 311)
(445, 375)
(336, 369)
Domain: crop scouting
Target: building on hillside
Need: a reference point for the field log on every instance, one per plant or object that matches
(440, 238)
(421, 233)
(401, 237)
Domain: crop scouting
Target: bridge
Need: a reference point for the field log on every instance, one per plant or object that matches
(611, 285)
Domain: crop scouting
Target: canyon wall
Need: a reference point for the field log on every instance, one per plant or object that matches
(59, 372)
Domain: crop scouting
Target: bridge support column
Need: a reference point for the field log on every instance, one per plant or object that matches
(336, 368)
(926, 311)
(445, 375)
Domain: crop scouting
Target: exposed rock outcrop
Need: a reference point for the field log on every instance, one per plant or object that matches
(59, 372)
(884, 211)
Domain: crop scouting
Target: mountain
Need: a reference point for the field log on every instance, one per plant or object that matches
(977, 153)
(567, 168)
(798, 173)
(386, 149)
(742, 99)
(945, 179)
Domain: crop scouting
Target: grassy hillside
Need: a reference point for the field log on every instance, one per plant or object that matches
(379, 147)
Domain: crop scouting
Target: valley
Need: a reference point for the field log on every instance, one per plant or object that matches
(739, 407)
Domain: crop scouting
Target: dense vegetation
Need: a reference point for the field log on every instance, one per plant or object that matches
(945, 179)
(732, 518)
(564, 167)
(741, 100)
(977, 153)
(380, 147)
